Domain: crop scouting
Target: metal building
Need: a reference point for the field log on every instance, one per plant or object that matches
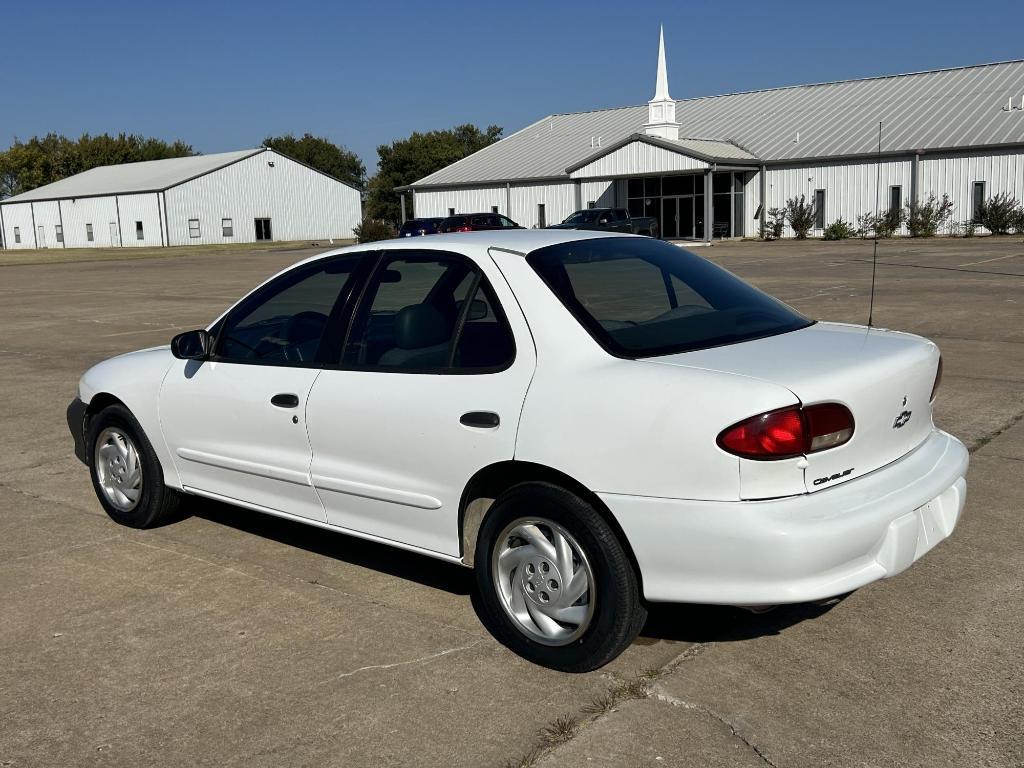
(713, 166)
(232, 197)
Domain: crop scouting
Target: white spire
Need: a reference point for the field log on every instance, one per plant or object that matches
(661, 110)
(661, 89)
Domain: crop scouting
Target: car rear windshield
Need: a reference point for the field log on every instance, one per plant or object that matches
(640, 297)
(584, 217)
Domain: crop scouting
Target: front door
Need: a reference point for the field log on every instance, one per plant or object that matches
(263, 229)
(669, 218)
(430, 391)
(236, 423)
(40, 236)
(115, 237)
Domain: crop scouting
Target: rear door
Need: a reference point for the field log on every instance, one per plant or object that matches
(429, 391)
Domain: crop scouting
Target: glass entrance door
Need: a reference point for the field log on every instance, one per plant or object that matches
(669, 218)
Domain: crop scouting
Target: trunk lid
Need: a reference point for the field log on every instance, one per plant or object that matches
(885, 378)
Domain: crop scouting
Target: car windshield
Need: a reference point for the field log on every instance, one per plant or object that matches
(583, 217)
(640, 297)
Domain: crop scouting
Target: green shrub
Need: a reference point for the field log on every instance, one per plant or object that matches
(800, 215)
(839, 230)
(370, 230)
(965, 228)
(776, 222)
(1018, 221)
(865, 225)
(926, 219)
(998, 214)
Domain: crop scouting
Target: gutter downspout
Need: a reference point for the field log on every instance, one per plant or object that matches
(402, 202)
(764, 199)
(915, 168)
(63, 235)
(708, 209)
(508, 199)
(35, 235)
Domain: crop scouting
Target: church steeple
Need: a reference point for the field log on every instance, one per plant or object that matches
(661, 110)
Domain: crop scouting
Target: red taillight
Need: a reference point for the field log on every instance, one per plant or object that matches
(774, 435)
(789, 432)
(938, 380)
(463, 229)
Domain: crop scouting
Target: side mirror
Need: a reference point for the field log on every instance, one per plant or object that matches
(192, 345)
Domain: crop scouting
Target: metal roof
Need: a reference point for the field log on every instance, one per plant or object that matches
(130, 178)
(941, 109)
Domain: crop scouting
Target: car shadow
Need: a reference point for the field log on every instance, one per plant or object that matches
(723, 623)
(400, 563)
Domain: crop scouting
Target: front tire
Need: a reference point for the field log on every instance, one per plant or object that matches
(126, 474)
(556, 584)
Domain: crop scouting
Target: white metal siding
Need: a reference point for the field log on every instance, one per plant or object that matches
(98, 211)
(601, 193)
(559, 199)
(638, 158)
(141, 207)
(300, 202)
(849, 187)
(18, 215)
(954, 175)
(471, 200)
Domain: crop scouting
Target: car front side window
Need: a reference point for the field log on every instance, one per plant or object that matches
(285, 322)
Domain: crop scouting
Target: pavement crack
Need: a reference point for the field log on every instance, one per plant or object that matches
(989, 437)
(667, 698)
(408, 662)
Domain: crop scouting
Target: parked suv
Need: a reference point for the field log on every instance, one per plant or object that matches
(417, 227)
(473, 222)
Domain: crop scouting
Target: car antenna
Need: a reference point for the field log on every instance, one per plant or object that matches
(874, 254)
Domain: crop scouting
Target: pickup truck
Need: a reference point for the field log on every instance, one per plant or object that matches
(610, 220)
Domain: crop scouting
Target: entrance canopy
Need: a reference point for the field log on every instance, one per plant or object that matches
(640, 154)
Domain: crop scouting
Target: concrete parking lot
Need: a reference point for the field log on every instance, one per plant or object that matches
(233, 639)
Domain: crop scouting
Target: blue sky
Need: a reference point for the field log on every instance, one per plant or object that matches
(223, 76)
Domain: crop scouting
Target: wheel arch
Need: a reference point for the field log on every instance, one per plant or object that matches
(491, 481)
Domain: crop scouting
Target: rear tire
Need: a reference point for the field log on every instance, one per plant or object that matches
(126, 474)
(556, 584)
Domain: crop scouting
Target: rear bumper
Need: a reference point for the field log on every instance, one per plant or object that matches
(797, 548)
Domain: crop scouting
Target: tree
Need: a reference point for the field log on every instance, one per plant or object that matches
(320, 153)
(38, 161)
(421, 154)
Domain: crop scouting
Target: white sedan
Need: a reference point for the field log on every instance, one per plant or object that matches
(591, 422)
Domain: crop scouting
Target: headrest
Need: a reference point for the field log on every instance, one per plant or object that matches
(421, 325)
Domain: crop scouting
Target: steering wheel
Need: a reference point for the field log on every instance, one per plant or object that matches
(300, 328)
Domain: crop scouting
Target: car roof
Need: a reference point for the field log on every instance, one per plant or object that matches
(476, 244)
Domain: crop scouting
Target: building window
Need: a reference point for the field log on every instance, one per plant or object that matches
(88, 232)
(541, 216)
(819, 209)
(17, 234)
(591, 204)
(451, 211)
(895, 199)
(227, 228)
(494, 209)
(138, 231)
(263, 229)
(978, 200)
(60, 233)
(193, 228)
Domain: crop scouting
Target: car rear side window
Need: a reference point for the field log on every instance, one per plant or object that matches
(428, 312)
(643, 297)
